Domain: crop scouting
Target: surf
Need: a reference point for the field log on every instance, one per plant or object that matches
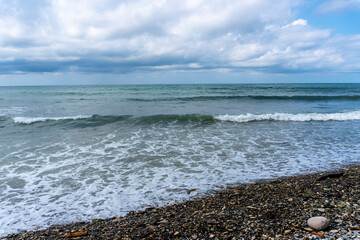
(301, 117)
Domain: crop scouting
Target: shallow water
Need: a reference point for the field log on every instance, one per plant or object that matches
(78, 153)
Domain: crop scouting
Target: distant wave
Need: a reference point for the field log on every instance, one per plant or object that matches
(255, 97)
(301, 117)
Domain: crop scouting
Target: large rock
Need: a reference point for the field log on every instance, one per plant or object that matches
(318, 223)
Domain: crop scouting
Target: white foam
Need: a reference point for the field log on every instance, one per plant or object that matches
(301, 117)
(104, 173)
(11, 111)
(29, 120)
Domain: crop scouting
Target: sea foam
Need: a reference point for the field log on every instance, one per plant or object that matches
(301, 117)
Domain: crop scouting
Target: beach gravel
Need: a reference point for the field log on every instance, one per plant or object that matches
(272, 209)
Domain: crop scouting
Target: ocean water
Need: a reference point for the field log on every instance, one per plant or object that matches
(75, 153)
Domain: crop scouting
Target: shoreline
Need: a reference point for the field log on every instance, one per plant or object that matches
(265, 209)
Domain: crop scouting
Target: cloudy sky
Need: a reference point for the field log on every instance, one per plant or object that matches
(170, 41)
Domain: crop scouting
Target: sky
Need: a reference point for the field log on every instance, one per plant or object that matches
(52, 42)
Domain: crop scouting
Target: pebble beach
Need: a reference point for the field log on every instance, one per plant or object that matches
(271, 209)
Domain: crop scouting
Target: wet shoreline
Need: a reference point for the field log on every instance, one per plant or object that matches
(268, 209)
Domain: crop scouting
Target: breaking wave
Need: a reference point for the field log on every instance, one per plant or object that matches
(301, 117)
(98, 120)
(30, 120)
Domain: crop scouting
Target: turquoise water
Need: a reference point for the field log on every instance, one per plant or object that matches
(75, 153)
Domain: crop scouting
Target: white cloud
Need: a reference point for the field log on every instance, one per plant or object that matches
(300, 22)
(125, 36)
(339, 6)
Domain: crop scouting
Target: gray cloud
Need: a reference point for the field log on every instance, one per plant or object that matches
(195, 35)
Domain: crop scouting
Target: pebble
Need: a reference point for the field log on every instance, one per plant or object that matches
(318, 223)
(117, 220)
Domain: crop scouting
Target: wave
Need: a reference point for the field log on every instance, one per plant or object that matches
(255, 97)
(30, 120)
(101, 120)
(301, 117)
(74, 122)
(98, 120)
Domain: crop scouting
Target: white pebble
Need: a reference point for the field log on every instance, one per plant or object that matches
(318, 223)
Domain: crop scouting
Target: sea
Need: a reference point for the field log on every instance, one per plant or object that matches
(76, 153)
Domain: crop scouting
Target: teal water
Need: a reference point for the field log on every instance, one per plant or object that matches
(73, 153)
